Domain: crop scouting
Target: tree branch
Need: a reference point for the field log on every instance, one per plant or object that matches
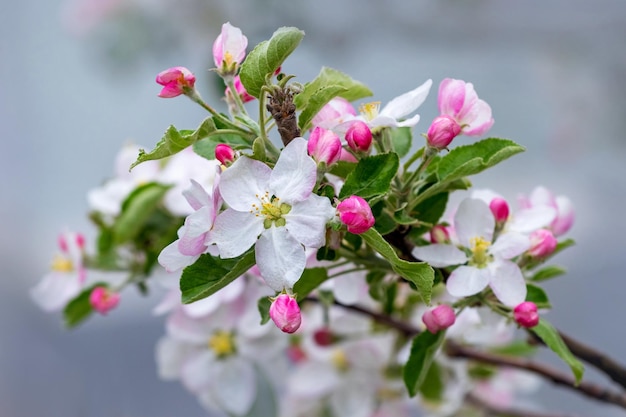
(492, 409)
(589, 389)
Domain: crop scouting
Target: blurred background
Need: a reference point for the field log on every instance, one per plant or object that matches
(78, 82)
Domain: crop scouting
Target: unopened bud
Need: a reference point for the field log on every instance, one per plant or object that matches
(359, 136)
(356, 214)
(324, 146)
(526, 315)
(285, 313)
(500, 209)
(441, 131)
(175, 81)
(439, 234)
(439, 318)
(103, 300)
(542, 243)
(224, 153)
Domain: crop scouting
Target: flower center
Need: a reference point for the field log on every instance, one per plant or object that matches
(222, 343)
(480, 254)
(370, 110)
(62, 264)
(227, 59)
(272, 209)
(340, 360)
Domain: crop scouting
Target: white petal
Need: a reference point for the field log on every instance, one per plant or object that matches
(172, 260)
(473, 219)
(306, 221)
(193, 331)
(170, 356)
(440, 255)
(313, 379)
(509, 245)
(234, 232)
(410, 122)
(407, 102)
(467, 280)
(531, 219)
(55, 290)
(243, 181)
(295, 173)
(196, 195)
(234, 385)
(507, 283)
(354, 399)
(198, 370)
(280, 258)
(382, 121)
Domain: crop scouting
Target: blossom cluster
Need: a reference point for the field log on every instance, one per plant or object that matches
(364, 269)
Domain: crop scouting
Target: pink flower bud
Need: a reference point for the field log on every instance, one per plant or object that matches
(241, 90)
(102, 300)
(229, 49)
(439, 234)
(441, 131)
(224, 153)
(458, 100)
(355, 213)
(324, 146)
(542, 243)
(359, 136)
(439, 318)
(285, 313)
(323, 336)
(526, 315)
(175, 81)
(500, 209)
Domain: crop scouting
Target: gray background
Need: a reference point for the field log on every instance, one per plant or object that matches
(553, 71)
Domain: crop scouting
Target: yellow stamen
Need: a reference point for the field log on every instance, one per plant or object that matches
(222, 343)
(480, 254)
(370, 110)
(272, 209)
(340, 360)
(62, 264)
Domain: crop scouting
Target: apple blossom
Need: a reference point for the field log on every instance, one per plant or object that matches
(542, 243)
(458, 100)
(356, 214)
(229, 49)
(67, 277)
(334, 113)
(439, 318)
(526, 315)
(175, 81)
(103, 300)
(442, 131)
(359, 137)
(285, 313)
(488, 263)
(274, 210)
(324, 146)
(542, 198)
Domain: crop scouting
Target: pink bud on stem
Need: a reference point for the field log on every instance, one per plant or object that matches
(500, 209)
(356, 214)
(225, 154)
(324, 146)
(285, 313)
(176, 81)
(359, 136)
(542, 243)
(442, 131)
(526, 315)
(103, 300)
(439, 318)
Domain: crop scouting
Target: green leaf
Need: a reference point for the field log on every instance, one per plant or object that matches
(419, 273)
(429, 211)
(263, 305)
(342, 168)
(311, 279)
(401, 138)
(547, 273)
(516, 348)
(538, 296)
(79, 309)
(316, 101)
(174, 141)
(206, 147)
(210, 274)
(136, 210)
(423, 350)
(468, 160)
(432, 387)
(552, 339)
(372, 176)
(267, 56)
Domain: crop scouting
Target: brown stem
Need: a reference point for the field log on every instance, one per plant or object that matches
(492, 409)
(589, 389)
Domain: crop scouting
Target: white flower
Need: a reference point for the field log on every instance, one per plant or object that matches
(274, 209)
(488, 263)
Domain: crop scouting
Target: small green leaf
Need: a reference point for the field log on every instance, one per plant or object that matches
(263, 305)
(401, 138)
(79, 309)
(419, 273)
(516, 348)
(552, 339)
(136, 210)
(352, 90)
(174, 141)
(429, 211)
(423, 350)
(372, 176)
(538, 296)
(432, 387)
(210, 274)
(316, 101)
(547, 273)
(311, 279)
(342, 168)
(267, 56)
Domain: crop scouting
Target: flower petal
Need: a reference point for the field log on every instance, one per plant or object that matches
(407, 102)
(234, 232)
(530, 219)
(172, 260)
(243, 181)
(509, 245)
(196, 195)
(467, 280)
(440, 255)
(507, 282)
(295, 173)
(280, 258)
(313, 379)
(306, 221)
(197, 371)
(170, 356)
(473, 219)
(234, 385)
(55, 290)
